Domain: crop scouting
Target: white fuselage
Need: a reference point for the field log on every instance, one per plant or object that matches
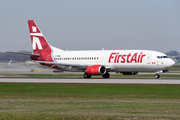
(116, 60)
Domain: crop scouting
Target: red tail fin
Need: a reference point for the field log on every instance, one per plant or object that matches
(39, 43)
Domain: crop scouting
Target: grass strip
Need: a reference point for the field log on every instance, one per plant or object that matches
(87, 110)
(90, 92)
(12, 109)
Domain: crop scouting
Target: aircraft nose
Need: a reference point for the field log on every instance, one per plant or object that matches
(171, 63)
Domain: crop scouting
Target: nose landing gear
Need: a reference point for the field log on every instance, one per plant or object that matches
(157, 76)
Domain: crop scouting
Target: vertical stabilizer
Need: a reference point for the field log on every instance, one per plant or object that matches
(39, 42)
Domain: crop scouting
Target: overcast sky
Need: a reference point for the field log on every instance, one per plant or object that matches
(92, 24)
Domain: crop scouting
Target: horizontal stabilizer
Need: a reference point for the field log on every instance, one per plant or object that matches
(29, 54)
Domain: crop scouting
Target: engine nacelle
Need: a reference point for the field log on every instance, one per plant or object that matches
(130, 73)
(96, 70)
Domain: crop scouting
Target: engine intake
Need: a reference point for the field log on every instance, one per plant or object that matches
(96, 70)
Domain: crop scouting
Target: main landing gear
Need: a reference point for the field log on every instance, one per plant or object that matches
(106, 75)
(157, 76)
(86, 75)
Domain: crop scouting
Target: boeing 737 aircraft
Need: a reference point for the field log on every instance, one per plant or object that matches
(96, 62)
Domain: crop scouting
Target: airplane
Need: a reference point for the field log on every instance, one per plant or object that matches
(10, 62)
(96, 62)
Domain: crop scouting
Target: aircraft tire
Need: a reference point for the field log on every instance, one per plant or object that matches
(106, 75)
(86, 75)
(157, 76)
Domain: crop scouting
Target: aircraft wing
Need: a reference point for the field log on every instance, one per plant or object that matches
(23, 53)
(77, 66)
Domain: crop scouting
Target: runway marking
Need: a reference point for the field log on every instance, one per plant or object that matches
(108, 101)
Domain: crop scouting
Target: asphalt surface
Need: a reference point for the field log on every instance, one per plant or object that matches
(90, 81)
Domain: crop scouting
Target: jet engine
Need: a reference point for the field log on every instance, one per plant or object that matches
(96, 70)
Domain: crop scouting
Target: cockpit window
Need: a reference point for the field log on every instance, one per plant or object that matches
(160, 57)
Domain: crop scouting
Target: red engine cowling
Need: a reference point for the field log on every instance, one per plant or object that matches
(130, 73)
(96, 70)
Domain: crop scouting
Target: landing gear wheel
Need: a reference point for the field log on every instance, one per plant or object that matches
(106, 75)
(86, 75)
(157, 76)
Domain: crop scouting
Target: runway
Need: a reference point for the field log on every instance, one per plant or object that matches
(90, 81)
